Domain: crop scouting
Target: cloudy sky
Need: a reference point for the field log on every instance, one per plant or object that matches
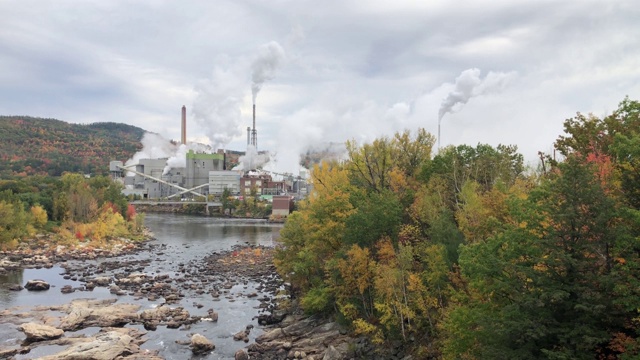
(490, 71)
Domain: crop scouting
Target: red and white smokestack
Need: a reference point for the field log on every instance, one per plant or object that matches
(183, 137)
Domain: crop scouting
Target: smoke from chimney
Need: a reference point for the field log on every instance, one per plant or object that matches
(264, 66)
(469, 84)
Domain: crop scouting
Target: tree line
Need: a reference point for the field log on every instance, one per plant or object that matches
(70, 208)
(36, 146)
(466, 254)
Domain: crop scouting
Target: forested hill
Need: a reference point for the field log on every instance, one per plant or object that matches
(36, 146)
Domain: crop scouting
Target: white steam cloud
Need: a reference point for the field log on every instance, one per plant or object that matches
(269, 59)
(470, 84)
(217, 105)
(252, 160)
(154, 146)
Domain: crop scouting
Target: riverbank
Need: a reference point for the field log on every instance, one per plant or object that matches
(134, 305)
(45, 251)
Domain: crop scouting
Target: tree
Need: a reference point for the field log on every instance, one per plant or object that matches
(39, 216)
(547, 285)
(313, 235)
(411, 154)
(369, 165)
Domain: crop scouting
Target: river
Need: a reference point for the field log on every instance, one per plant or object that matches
(183, 240)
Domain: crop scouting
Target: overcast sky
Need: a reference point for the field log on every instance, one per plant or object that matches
(497, 71)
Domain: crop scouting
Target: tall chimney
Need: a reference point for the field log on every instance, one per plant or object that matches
(248, 136)
(183, 137)
(254, 133)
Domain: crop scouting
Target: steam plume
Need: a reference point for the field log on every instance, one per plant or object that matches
(469, 84)
(154, 146)
(264, 66)
(217, 105)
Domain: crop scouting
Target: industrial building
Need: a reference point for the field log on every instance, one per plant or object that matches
(204, 174)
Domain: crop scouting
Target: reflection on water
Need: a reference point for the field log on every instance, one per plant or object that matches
(14, 277)
(179, 239)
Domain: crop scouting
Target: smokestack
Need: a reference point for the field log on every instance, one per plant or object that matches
(248, 135)
(254, 132)
(183, 137)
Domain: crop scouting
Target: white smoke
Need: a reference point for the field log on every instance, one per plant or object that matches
(269, 59)
(217, 105)
(469, 84)
(179, 158)
(252, 160)
(154, 146)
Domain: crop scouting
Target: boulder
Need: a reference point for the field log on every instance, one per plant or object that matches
(37, 285)
(15, 287)
(102, 281)
(241, 355)
(106, 345)
(332, 354)
(85, 313)
(201, 345)
(38, 332)
(242, 336)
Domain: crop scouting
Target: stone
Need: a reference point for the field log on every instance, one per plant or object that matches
(37, 285)
(38, 332)
(242, 335)
(67, 289)
(106, 345)
(332, 354)
(102, 281)
(241, 355)
(201, 345)
(85, 313)
(15, 287)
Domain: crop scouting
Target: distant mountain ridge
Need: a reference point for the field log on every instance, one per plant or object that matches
(37, 146)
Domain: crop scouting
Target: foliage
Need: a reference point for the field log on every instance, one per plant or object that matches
(35, 146)
(79, 209)
(463, 255)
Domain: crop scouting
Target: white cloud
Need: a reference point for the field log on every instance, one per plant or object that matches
(352, 71)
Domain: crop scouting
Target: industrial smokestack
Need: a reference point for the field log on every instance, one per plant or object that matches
(254, 132)
(248, 135)
(183, 137)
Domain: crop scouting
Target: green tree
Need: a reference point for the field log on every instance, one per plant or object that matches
(546, 286)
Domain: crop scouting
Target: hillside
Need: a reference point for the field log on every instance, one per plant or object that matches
(36, 146)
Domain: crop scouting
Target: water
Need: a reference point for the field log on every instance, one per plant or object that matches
(182, 239)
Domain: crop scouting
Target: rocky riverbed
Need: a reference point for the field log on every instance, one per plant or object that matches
(140, 299)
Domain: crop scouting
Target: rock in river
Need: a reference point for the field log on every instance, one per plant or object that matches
(201, 345)
(36, 285)
(38, 332)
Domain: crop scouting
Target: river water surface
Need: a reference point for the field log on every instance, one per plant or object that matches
(182, 240)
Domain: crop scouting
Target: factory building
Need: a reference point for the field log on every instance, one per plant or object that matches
(199, 165)
(151, 179)
(282, 205)
(221, 180)
(203, 174)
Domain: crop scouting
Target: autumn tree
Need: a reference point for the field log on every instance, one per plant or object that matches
(546, 286)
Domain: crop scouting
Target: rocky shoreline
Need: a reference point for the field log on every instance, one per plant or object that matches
(122, 326)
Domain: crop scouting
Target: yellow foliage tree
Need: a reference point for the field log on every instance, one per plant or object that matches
(38, 216)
